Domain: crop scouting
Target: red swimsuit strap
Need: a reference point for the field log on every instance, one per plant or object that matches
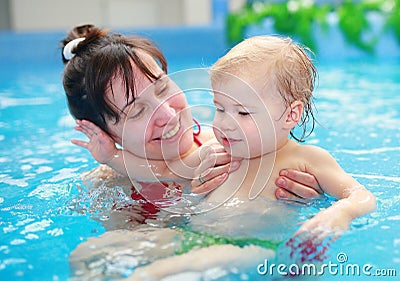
(195, 134)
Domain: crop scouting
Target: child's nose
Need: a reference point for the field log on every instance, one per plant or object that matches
(226, 122)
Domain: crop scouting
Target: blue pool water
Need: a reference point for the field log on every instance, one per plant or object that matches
(46, 211)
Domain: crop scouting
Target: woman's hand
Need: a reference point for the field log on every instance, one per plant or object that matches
(101, 145)
(298, 187)
(213, 170)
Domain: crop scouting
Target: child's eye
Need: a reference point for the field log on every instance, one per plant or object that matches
(218, 109)
(244, 113)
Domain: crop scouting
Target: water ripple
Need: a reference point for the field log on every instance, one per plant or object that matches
(369, 151)
(378, 177)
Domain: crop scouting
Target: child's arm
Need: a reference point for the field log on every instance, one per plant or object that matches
(103, 149)
(354, 199)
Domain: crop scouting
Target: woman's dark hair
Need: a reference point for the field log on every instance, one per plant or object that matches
(97, 60)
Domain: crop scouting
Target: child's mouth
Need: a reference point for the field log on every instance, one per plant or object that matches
(229, 141)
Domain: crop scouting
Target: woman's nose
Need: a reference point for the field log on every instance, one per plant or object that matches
(163, 114)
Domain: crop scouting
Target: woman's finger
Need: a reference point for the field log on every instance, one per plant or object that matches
(84, 131)
(301, 178)
(284, 195)
(80, 143)
(210, 185)
(222, 158)
(289, 189)
(214, 155)
(88, 127)
(211, 173)
(218, 148)
(91, 128)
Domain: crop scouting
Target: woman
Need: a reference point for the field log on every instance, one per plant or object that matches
(118, 91)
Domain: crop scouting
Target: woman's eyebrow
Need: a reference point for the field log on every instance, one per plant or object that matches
(160, 76)
(161, 79)
(244, 105)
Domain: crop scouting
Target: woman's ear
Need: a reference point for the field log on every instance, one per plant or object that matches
(293, 114)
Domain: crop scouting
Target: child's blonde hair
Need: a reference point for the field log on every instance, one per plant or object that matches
(282, 62)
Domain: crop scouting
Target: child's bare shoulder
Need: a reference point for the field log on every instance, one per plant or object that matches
(314, 152)
(313, 148)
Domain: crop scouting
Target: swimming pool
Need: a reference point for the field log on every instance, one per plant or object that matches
(46, 211)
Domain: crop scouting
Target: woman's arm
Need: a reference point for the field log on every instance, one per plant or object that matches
(103, 149)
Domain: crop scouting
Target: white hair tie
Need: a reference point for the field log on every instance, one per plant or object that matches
(67, 52)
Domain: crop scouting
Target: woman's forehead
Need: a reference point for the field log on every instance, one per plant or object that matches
(140, 81)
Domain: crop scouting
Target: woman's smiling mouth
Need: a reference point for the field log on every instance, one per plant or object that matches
(171, 133)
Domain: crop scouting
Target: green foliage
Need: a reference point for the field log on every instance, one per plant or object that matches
(393, 19)
(298, 18)
(353, 23)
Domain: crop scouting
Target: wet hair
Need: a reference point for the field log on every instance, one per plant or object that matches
(285, 63)
(97, 60)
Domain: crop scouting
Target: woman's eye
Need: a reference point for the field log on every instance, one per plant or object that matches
(244, 113)
(136, 113)
(162, 88)
(162, 91)
(219, 109)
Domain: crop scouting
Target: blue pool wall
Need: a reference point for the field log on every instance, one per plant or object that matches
(202, 44)
(178, 43)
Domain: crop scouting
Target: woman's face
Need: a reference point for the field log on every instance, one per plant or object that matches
(158, 125)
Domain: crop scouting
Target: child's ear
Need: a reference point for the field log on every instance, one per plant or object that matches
(294, 113)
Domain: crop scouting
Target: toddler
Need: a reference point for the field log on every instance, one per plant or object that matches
(262, 90)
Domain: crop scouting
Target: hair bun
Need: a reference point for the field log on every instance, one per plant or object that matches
(79, 33)
(82, 30)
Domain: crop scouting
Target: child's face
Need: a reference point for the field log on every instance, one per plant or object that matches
(158, 125)
(247, 119)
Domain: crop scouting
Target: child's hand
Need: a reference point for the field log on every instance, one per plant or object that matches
(213, 170)
(101, 145)
(311, 242)
(329, 222)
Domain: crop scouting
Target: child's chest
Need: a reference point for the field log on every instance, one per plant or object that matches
(259, 177)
